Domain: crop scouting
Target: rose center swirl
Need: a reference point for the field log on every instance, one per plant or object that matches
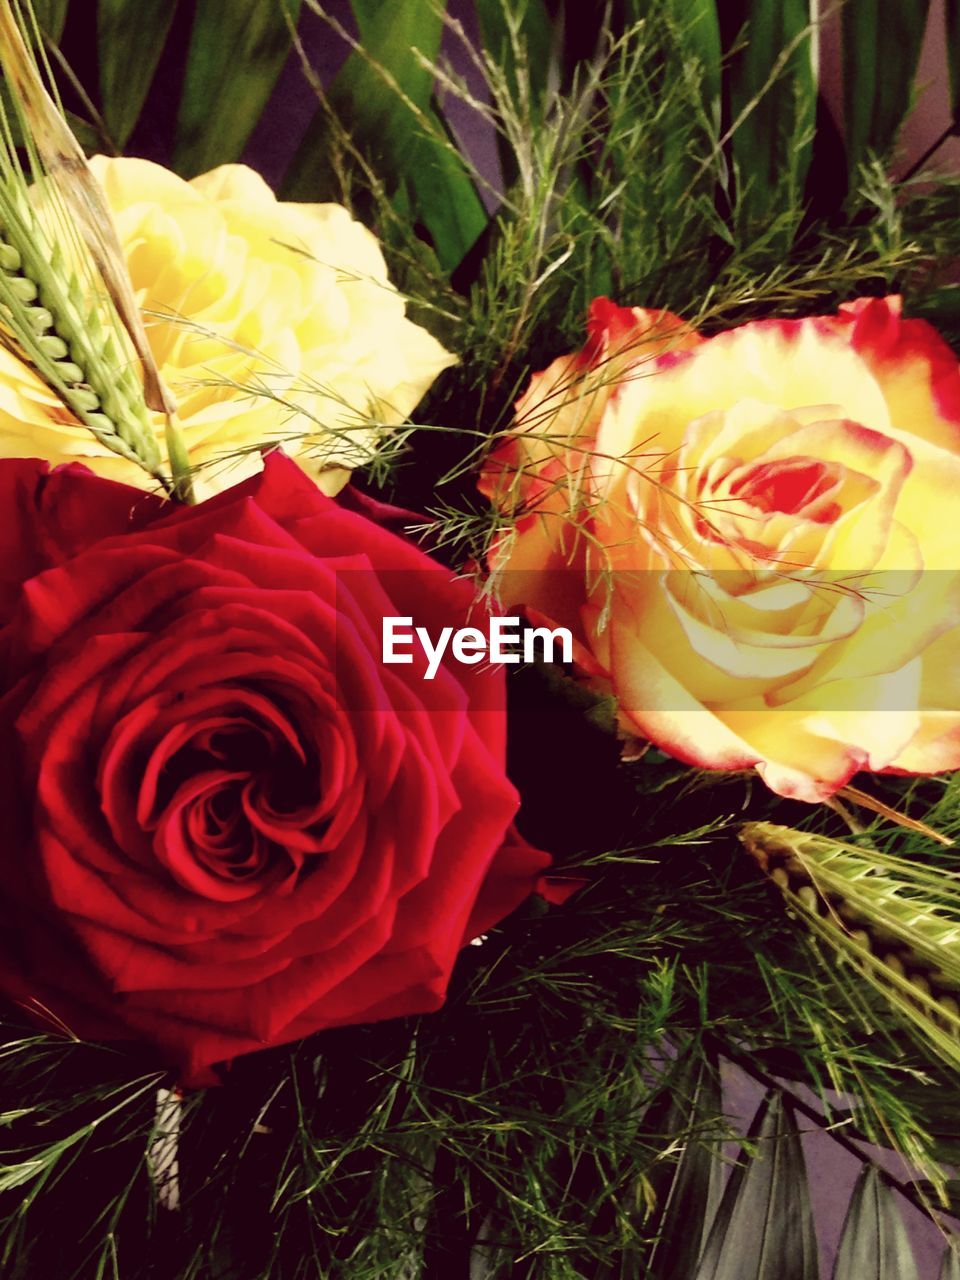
(234, 800)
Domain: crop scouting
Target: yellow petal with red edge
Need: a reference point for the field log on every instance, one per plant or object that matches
(787, 364)
(917, 373)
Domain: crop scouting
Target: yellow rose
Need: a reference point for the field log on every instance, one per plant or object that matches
(292, 298)
(752, 538)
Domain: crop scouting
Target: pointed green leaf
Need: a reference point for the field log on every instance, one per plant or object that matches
(950, 1266)
(764, 1226)
(704, 23)
(236, 53)
(689, 1190)
(130, 39)
(874, 1244)
(536, 38)
(383, 97)
(699, 27)
(773, 102)
(51, 16)
(881, 49)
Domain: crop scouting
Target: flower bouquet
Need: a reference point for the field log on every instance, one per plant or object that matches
(480, 615)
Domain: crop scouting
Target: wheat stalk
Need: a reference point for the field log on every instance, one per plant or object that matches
(48, 319)
(66, 306)
(896, 922)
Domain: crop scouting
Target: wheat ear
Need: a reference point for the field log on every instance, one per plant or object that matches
(897, 922)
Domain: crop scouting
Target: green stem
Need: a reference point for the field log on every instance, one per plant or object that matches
(179, 462)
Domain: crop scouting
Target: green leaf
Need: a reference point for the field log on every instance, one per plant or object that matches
(699, 28)
(130, 39)
(874, 1244)
(691, 1191)
(236, 53)
(950, 1265)
(881, 49)
(764, 1226)
(535, 39)
(773, 102)
(701, 31)
(51, 16)
(383, 98)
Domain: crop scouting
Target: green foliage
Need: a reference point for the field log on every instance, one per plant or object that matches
(560, 1117)
(130, 37)
(773, 96)
(881, 49)
(895, 922)
(522, 43)
(59, 308)
(382, 99)
(75, 1102)
(51, 15)
(394, 109)
(636, 131)
(236, 53)
(700, 22)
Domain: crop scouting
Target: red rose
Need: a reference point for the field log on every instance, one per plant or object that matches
(227, 824)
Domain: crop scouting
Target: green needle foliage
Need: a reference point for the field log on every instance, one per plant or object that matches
(623, 172)
(559, 1117)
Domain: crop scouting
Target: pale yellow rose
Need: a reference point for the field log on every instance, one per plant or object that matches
(243, 293)
(759, 557)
